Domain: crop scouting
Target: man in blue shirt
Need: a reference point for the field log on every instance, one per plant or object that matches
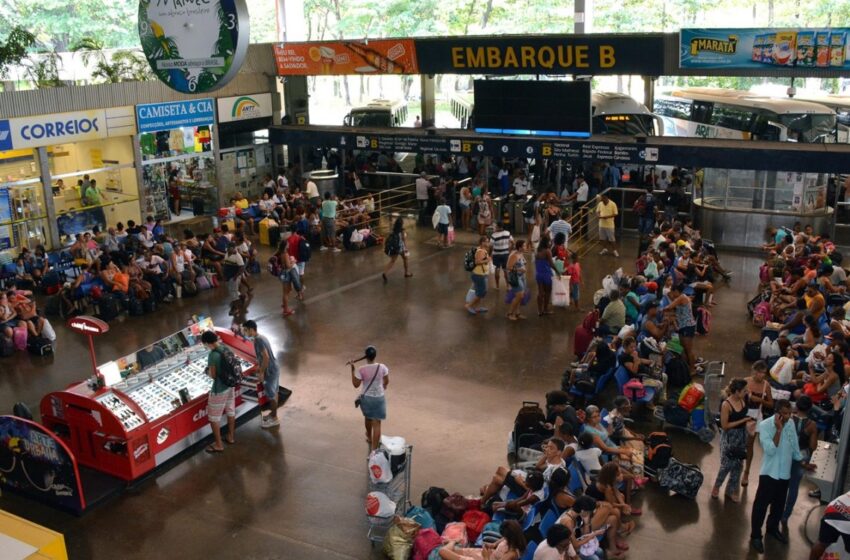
(780, 445)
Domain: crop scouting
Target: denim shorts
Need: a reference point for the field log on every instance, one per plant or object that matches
(479, 282)
(373, 408)
(575, 289)
(688, 332)
(271, 382)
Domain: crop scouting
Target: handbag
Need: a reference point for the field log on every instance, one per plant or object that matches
(359, 398)
(737, 453)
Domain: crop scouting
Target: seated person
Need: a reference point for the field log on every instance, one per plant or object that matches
(794, 324)
(8, 317)
(586, 510)
(614, 316)
(588, 454)
(511, 546)
(519, 506)
(821, 387)
(604, 489)
(211, 253)
(655, 324)
(556, 545)
(616, 419)
(640, 369)
(551, 459)
(40, 326)
(810, 338)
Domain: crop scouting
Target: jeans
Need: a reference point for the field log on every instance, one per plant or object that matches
(646, 224)
(797, 472)
(771, 494)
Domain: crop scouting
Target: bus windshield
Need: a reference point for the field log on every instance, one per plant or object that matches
(371, 118)
(626, 125)
(809, 128)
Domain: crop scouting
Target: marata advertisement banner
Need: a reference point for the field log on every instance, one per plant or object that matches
(379, 56)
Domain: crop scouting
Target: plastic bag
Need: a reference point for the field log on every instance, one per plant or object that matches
(470, 295)
(379, 466)
(450, 236)
(783, 370)
(535, 235)
(398, 542)
(435, 219)
(609, 284)
(765, 348)
(560, 292)
(455, 532)
(379, 505)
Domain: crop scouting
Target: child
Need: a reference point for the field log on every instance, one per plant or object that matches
(573, 270)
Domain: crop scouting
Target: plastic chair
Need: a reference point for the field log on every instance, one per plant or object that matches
(548, 520)
(622, 377)
(576, 483)
(529, 551)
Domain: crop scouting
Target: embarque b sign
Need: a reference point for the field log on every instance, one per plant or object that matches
(194, 46)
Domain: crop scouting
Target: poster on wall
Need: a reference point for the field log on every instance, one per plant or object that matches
(381, 56)
(6, 241)
(749, 49)
(34, 462)
(73, 223)
(155, 181)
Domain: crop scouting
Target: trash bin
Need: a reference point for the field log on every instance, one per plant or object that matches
(327, 180)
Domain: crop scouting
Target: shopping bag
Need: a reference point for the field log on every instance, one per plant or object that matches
(535, 235)
(435, 219)
(379, 466)
(379, 505)
(470, 295)
(560, 293)
(450, 237)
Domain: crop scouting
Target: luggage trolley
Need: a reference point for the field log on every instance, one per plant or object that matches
(397, 490)
(706, 423)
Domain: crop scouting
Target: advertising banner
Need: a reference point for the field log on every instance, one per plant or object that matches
(552, 54)
(244, 107)
(36, 463)
(380, 56)
(153, 117)
(63, 128)
(812, 49)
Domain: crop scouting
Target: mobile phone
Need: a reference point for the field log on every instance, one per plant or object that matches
(603, 529)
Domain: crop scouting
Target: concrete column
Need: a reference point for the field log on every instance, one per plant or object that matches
(47, 194)
(582, 17)
(428, 103)
(222, 202)
(137, 158)
(648, 91)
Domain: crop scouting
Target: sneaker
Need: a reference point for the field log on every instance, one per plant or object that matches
(603, 252)
(758, 545)
(616, 254)
(264, 421)
(270, 422)
(337, 250)
(323, 248)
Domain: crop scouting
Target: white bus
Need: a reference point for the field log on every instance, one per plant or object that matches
(741, 115)
(612, 113)
(380, 113)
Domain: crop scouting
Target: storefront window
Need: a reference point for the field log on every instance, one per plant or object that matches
(769, 191)
(178, 172)
(23, 217)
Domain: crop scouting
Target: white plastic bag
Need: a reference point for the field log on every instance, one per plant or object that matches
(775, 350)
(379, 466)
(535, 235)
(765, 348)
(560, 292)
(394, 444)
(470, 295)
(435, 219)
(379, 505)
(783, 370)
(609, 284)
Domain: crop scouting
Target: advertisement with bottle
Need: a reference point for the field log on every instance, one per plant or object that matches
(382, 56)
(827, 49)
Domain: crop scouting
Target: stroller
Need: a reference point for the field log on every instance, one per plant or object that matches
(703, 421)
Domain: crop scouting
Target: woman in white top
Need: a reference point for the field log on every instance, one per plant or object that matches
(374, 378)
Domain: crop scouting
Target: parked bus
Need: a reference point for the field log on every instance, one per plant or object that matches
(613, 113)
(741, 115)
(378, 113)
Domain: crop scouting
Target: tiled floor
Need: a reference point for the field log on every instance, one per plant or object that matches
(456, 383)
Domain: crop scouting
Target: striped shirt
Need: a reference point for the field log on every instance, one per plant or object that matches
(561, 226)
(501, 242)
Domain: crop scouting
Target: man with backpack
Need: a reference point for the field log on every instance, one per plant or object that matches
(224, 368)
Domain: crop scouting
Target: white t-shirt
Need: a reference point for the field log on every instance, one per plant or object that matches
(520, 186)
(550, 468)
(366, 373)
(546, 552)
(443, 210)
(589, 458)
(47, 331)
(422, 186)
(312, 190)
(582, 192)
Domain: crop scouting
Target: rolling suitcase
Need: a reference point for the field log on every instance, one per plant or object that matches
(274, 236)
(264, 232)
(681, 478)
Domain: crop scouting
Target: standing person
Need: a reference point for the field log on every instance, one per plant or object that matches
(573, 270)
(733, 439)
(423, 185)
(561, 225)
(299, 251)
(222, 398)
(268, 373)
(485, 213)
(504, 177)
(544, 267)
(501, 242)
(311, 191)
(396, 245)
(807, 437)
(579, 199)
(834, 527)
(465, 202)
(479, 276)
(759, 398)
(645, 208)
(374, 378)
(681, 305)
(521, 185)
(282, 266)
(781, 447)
(93, 194)
(329, 206)
(516, 279)
(611, 177)
(445, 212)
(417, 123)
(606, 211)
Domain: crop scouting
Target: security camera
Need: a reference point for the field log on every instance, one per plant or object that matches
(792, 91)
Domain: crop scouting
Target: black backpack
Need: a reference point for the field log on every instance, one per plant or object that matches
(678, 374)
(659, 450)
(675, 414)
(469, 260)
(391, 245)
(230, 370)
(304, 250)
(528, 209)
(432, 499)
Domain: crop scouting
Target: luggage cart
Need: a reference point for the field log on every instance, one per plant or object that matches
(712, 383)
(397, 490)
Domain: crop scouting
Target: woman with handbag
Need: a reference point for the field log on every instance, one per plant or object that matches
(759, 399)
(734, 422)
(372, 400)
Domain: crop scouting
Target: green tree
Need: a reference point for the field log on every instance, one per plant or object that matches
(42, 69)
(14, 48)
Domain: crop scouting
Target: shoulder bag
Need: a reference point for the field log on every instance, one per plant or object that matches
(369, 386)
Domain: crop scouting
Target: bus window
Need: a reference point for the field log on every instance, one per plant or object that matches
(731, 117)
(702, 112)
(677, 109)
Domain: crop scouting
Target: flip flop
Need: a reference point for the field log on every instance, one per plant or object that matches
(229, 442)
(211, 449)
(470, 311)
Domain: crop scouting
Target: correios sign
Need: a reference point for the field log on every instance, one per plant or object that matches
(194, 46)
